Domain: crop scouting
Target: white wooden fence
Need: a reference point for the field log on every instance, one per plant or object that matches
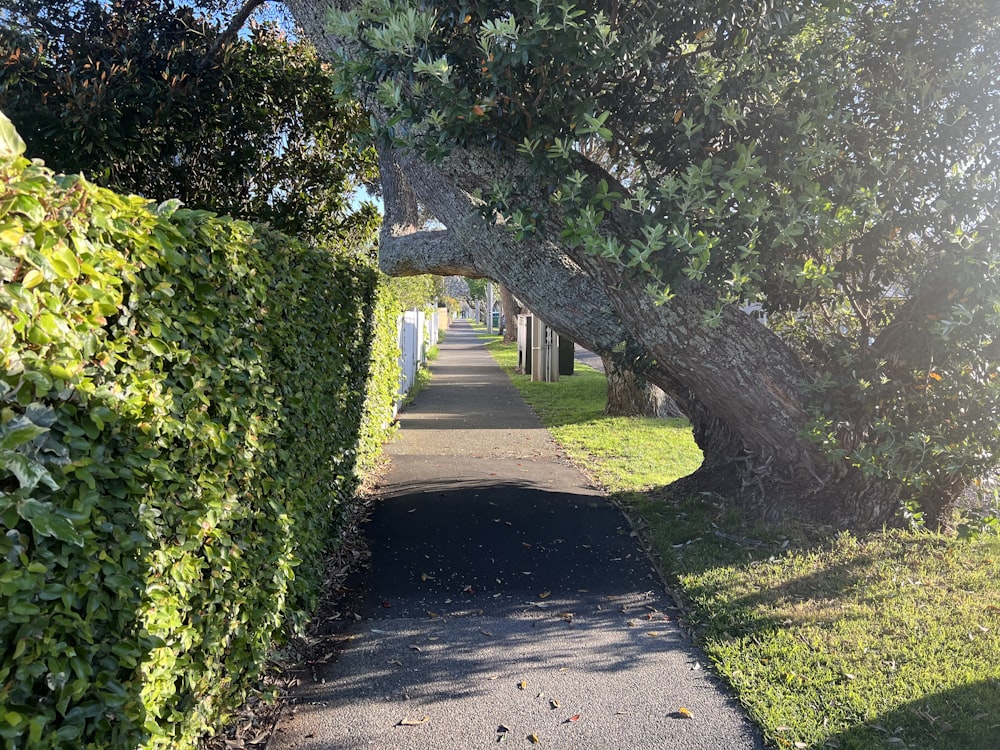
(418, 332)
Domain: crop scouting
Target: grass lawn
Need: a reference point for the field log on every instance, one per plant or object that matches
(890, 641)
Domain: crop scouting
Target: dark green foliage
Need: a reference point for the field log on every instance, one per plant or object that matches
(180, 397)
(131, 94)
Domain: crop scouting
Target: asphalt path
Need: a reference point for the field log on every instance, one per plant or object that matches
(507, 602)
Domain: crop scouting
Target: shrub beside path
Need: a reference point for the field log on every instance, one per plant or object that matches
(507, 600)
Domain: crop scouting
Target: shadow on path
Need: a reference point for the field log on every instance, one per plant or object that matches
(504, 591)
(493, 547)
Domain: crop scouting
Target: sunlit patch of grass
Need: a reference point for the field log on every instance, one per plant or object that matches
(622, 453)
(888, 641)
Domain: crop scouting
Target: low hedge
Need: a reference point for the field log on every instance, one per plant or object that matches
(181, 397)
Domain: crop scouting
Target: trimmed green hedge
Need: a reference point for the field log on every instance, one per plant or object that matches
(383, 378)
(181, 397)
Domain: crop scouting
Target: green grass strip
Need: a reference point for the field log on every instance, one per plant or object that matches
(829, 641)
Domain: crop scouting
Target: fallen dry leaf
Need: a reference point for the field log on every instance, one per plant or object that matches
(413, 722)
(554, 702)
(425, 577)
(545, 595)
(540, 695)
(432, 615)
(522, 685)
(533, 738)
(685, 712)
(572, 719)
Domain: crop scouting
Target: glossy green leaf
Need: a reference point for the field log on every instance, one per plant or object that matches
(46, 520)
(11, 144)
(32, 278)
(12, 437)
(65, 263)
(28, 472)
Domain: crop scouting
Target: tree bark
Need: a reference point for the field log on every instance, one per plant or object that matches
(737, 382)
(628, 395)
(632, 396)
(510, 313)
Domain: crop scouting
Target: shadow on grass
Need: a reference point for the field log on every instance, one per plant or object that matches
(966, 718)
(871, 634)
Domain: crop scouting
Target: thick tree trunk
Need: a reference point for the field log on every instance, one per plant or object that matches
(737, 382)
(632, 396)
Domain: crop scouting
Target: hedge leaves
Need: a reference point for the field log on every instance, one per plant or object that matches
(180, 402)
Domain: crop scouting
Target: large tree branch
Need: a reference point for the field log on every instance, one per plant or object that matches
(232, 29)
(400, 212)
(434, 252)
(755, 373)
(404, 250)
(543, 276)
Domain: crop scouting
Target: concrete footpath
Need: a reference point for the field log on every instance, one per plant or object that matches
(507, 600)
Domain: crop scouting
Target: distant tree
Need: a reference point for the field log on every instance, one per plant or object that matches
(417, 291)
(477, 289)
(457, 287)
(510, 308)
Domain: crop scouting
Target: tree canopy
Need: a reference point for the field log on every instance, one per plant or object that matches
(152, 98)
(640, 172)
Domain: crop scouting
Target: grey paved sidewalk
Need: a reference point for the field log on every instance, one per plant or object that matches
(507, 600)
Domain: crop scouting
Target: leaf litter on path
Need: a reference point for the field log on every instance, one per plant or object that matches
(408, 722)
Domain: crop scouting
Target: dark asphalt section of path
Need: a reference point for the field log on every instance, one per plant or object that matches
(493, 547)
(506, 597)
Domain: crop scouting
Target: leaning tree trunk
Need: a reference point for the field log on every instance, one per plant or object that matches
(737, 382)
